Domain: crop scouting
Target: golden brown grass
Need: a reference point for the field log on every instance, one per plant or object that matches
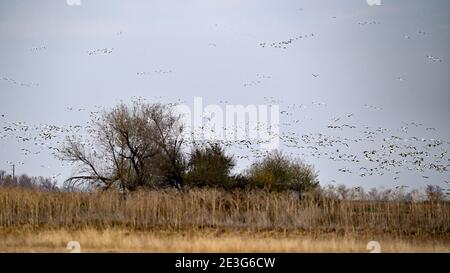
(254, 210)
(120, 240)
(211, 220)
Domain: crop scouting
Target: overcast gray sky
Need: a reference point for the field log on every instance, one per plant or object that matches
(394, 57)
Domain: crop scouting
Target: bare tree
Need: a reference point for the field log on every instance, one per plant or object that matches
(434, 193)
(129, 147)
(343, 192)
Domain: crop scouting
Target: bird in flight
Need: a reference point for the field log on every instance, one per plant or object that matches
(315, 75)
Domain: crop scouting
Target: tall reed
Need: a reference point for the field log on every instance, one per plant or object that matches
(213, 208)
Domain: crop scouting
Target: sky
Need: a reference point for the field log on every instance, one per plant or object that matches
(384, 66)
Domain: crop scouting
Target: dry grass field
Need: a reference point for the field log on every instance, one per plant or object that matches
(210, 220)
(209, 240)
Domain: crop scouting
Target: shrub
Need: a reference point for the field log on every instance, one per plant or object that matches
(209, 166)
(278, 172)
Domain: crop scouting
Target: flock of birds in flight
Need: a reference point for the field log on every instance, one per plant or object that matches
(260, 78)
(154, 72)
(285, 43)
(38, 48)
(100, 51)
(434, 59)
(19, 83)
(364, 23)
(392, 152)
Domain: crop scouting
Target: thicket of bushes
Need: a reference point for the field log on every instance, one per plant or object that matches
(143, 146)
(208, 166)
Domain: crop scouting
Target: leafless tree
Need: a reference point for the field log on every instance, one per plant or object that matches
(434, 193)
(129, 147)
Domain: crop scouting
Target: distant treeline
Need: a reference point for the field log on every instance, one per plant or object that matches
(28, 182)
